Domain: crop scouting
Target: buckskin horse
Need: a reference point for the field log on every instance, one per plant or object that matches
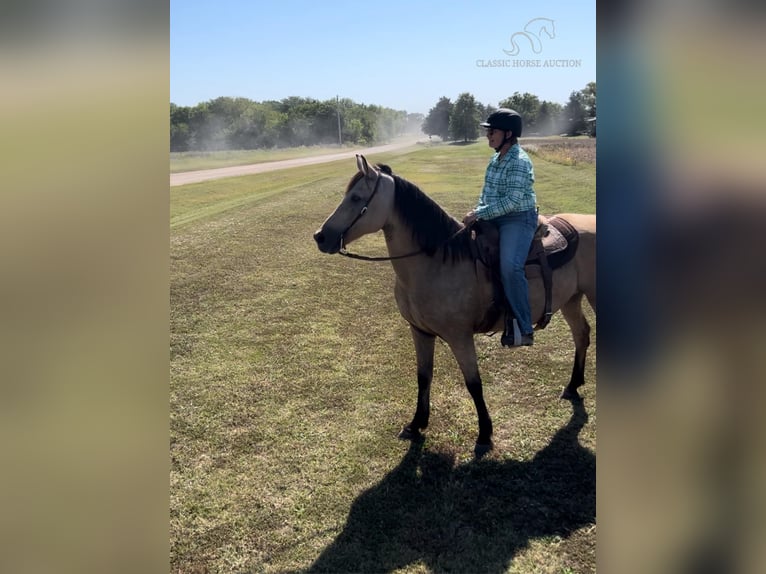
(443, 290)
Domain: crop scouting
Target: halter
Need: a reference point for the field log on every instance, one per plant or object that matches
(350, 225)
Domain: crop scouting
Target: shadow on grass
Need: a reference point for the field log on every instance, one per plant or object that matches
(472, 517)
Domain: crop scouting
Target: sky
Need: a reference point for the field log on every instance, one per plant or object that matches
(399, 54)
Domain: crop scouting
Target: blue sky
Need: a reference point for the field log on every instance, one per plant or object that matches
(402, 55)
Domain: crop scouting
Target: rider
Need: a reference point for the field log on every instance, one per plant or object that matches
(508, 199)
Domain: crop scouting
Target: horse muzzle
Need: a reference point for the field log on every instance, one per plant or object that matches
(324, 244)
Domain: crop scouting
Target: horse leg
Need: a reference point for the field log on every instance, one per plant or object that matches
(591, 296)
(575, 318)
(424, 350)
(465, 353)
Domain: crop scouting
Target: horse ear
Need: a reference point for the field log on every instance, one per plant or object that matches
(362, 164)
(368, 170)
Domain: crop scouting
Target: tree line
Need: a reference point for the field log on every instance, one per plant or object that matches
(239, 123)
(460, 120)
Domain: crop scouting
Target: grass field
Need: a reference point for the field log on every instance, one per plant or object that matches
(194, 160)
(292, 373)
(199, 160)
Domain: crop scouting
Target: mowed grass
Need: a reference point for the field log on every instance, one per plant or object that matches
(200, 160)
(292, 373)
(196, 160)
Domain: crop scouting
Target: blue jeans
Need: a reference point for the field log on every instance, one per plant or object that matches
(516, 232)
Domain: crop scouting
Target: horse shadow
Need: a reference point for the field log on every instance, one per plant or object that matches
(471, 517)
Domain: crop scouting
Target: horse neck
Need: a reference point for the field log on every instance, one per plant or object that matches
(416, 221)
(416, 270)
(399, 241)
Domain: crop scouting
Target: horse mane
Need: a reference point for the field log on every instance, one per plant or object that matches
(432, 228)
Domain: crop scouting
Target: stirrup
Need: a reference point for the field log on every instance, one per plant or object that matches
(512, 336)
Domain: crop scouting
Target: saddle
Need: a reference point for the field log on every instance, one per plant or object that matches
(553, 245)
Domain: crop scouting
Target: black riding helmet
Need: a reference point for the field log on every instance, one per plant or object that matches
(504, 119)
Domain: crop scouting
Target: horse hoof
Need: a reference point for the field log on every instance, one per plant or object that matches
(571, 395)
(481, 449)
(409, 434)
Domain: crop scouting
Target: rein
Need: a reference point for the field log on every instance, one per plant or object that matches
(368, 258)
(391, 258)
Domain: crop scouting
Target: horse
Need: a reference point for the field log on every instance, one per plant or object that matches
(443, 290)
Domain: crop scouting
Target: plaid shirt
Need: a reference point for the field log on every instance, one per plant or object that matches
(507, 185)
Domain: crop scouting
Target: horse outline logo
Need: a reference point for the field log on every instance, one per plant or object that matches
(532, 32)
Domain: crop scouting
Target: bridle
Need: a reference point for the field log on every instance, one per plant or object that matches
(362, 211)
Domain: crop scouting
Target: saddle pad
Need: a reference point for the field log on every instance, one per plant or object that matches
(554, 241)
(560, 242)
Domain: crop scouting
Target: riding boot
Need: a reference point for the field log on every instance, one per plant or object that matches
(512, 336)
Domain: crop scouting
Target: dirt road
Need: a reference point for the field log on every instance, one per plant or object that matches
(204, 175)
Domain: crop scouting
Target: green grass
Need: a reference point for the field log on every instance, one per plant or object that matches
(199, 200)
(197, 160)
(292, 372)
(200, 160)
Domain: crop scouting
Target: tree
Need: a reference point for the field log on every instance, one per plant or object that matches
(548, 118)
(180, 136)
(205, 129)
(589, 99)
(464, 120)
(414, 123)
(255, 128)
(485, 111)
(528, 105)
(240, 123)
(391, 123)
(574, 113)
(437, 120)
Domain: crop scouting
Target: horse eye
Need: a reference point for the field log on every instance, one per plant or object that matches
(355, 198)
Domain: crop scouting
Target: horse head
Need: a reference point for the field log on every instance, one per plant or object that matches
(364, 209)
